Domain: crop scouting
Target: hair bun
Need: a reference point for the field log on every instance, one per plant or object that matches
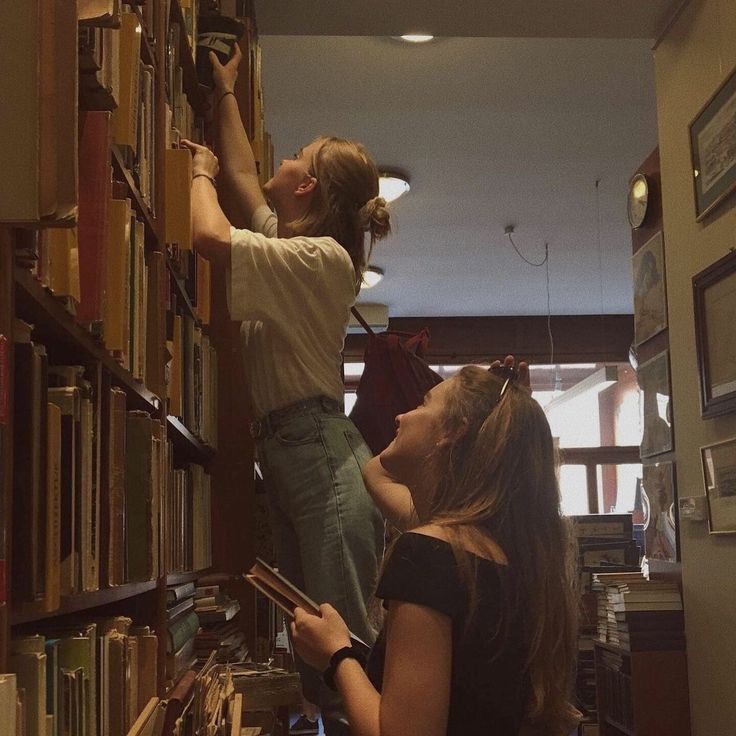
(376, 218)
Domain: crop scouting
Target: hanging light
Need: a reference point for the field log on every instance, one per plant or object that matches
(392, 184)
(371, 276)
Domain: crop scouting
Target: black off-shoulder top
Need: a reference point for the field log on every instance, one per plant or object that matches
(489, 688)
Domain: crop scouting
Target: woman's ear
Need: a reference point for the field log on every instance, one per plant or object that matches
(307, 186)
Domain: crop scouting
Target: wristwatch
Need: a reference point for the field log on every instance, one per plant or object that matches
(350, 652)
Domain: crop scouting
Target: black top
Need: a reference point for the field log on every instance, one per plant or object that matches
(488, 690)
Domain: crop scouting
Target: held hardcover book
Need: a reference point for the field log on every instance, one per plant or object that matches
(287, 596)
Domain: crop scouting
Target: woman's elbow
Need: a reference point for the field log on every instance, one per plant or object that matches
(214, 246)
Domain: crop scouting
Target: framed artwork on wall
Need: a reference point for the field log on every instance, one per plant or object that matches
(656, 405)
(658, 486)
(714, 302)
(650, 297)
(713, 149)
(719, 474)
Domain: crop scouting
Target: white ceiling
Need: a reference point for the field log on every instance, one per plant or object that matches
(493, 131)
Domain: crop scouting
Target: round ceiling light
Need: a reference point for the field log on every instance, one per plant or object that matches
(416, 37)
(392, 184)
(371, 276)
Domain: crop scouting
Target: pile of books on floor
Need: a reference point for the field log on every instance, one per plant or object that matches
(219, 633)
(182, 627)
(638, 614)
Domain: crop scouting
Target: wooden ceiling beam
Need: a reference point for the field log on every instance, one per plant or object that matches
(457, 340)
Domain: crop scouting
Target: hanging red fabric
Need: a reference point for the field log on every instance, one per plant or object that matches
(395, 379)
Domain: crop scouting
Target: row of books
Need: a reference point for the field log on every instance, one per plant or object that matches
(86, 679)
(95, 493)
(187, 528)
(192, 384)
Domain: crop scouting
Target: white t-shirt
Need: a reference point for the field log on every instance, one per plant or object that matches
(294, 297)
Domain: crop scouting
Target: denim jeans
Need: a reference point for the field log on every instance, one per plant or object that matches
(328, 533)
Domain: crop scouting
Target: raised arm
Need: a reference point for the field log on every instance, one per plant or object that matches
(392, 498)
(238, 170)
(210, 228)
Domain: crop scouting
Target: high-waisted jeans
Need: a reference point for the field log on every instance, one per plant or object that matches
(328, 534)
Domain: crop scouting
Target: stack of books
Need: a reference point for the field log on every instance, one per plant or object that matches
(213, 605)
(638, 614)
(605, 543)
(219, 633)
(183, 625)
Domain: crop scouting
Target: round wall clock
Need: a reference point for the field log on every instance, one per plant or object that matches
(638, 200)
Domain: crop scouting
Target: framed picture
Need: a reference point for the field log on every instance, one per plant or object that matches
(660, 522)
(713, 148)
(714, 301)
(615, 553)
(719, 474)
(656, 405)
(650, 299)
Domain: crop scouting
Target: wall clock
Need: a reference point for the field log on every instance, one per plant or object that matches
(638, 200)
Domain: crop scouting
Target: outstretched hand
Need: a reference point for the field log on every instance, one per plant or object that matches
(317, 638)
(503, 370)
(225, 75)
(204, 161)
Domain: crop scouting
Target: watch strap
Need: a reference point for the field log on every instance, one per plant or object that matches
(350, 652)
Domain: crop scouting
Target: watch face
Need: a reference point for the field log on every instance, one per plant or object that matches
(638, 199)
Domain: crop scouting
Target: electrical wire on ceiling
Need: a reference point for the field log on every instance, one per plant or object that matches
(544, 262)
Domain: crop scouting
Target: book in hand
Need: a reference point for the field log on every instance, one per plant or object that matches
(287, 596)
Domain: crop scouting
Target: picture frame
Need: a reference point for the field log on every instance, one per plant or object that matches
(600, 555)
(602, 526)
(714, 303)
(661, 525)
(650, 295)
(656, 406)
(713, 149)
(719, 475)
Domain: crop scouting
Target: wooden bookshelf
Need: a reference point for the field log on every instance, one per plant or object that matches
(56, 327)
(143, 211)
(187, 444)
(82, 602)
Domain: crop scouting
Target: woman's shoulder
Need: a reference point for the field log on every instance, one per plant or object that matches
(477, 543)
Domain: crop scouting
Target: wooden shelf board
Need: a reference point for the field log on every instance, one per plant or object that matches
(136, 197)
(56, 328)
(178, 578)
(80, 602)
(187, 443)
(618, 726)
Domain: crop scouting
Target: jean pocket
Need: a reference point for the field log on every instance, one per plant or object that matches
(299, 431)
(358, 446)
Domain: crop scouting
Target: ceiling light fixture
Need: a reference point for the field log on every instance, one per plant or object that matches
(392, 184)
(416, 37)
(371, 276)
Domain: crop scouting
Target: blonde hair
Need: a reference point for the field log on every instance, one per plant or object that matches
(346, 204)
(498, 481)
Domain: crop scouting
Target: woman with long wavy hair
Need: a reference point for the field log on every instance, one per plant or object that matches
(480, 632)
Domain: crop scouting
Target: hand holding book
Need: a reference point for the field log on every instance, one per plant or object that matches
(288, 598)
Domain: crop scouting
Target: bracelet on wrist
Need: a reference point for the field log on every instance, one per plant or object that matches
(350, 652)
(211, 179)
(223, 96)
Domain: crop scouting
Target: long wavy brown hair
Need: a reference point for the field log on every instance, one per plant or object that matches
(346, 204)
(498, 482)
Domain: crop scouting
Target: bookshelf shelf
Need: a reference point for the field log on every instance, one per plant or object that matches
(618, 726)
(81, 602)
(178, 578)
(65, 339)
(141, 207)
(186, 443)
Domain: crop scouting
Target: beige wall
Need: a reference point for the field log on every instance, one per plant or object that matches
(692, 60)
